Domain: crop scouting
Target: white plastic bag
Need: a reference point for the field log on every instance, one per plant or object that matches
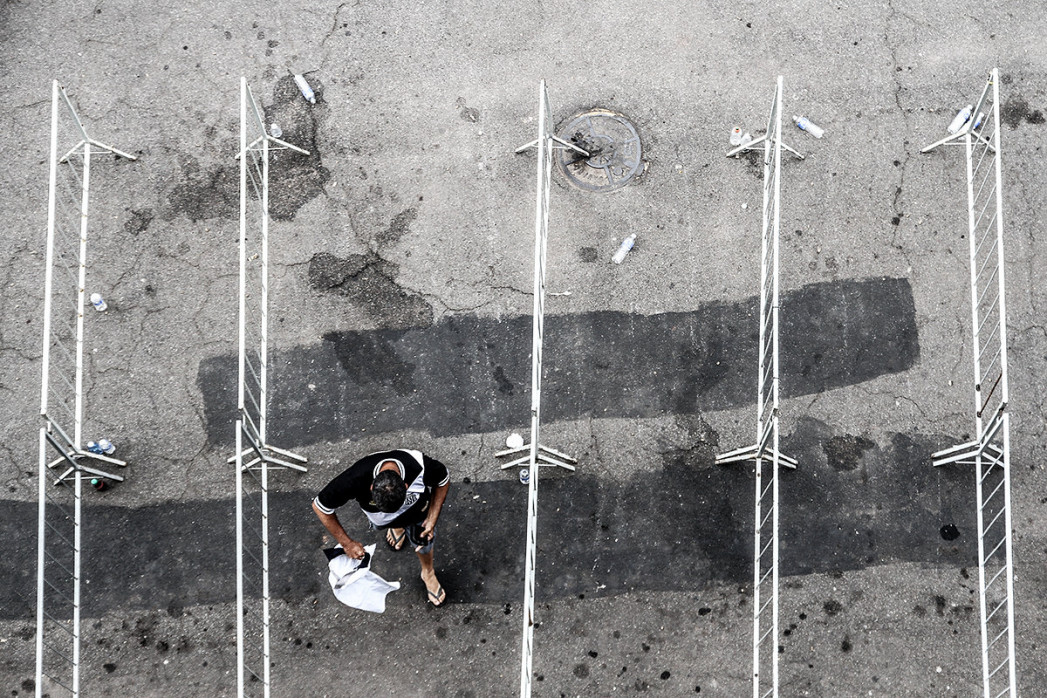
(355, 585)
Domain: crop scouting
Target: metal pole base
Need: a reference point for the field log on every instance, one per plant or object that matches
(954, 139)
(72, 455)
(751, 145)
(562, 460)
(280, 145)
(564, 145)
(752, 453)
(966, 454)
(72, 460)
(265, 453)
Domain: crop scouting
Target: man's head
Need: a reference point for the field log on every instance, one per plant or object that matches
(388, 491)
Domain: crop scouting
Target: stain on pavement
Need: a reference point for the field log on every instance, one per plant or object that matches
(681, 527)
(454, 377)
(370, 282)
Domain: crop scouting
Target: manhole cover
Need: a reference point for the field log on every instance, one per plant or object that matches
(613, 146)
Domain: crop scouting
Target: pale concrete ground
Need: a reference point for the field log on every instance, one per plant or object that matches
(421, 107)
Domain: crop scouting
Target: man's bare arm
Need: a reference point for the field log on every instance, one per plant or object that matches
(434, 510)
(335, 528)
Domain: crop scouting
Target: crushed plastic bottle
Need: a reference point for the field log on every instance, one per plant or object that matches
(103, 447)
(805, 124)
(960, 119)
(98, 302)
(275, 131)
(623, 249)
(306, 91)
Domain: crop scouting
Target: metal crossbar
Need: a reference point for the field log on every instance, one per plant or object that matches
(765, 452)
(990, 451)
(537, 455)
(59, 530)
(254, 455)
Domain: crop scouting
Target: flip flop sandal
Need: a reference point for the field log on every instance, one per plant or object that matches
(438, 597)
(397, 542)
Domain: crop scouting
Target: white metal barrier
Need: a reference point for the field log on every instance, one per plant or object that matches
(59, 527)
(765, 451)
(537, 454)
(253, 460)
(990, 451)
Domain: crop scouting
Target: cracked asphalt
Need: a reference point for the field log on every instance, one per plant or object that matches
(401, 262)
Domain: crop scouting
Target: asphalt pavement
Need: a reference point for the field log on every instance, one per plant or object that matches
(401, 254)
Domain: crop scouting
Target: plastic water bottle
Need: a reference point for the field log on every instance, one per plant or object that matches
(98, 483)
(805, 124)
(275, 131)
(525, 475)
(960, 119)
(747, 138)
(103, 447)
(979, 120)
(307, 91)
(98, 302)
(627, 244)
(736, 136)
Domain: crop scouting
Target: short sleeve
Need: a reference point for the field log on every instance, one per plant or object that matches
(436, 474)
(337, 492)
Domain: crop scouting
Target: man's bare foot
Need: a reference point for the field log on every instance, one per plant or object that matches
(436, 593)
(394, 538)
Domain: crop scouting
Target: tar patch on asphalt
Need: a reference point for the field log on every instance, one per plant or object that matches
(469, 374)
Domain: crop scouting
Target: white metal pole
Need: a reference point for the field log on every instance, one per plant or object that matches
(243, 251)
(81, 298)
(542, 198)
(239, 562)
(41, 532)
(775, 231)
(41, 526)
(975, 346)
(761, 419)
(757, 600)
(240, 397)
(265, 577)
(978, 472)
(1005, 395)
(1012, 661)
(49, 263)
(78, 490)
(262, 409)
(78, 417)
(264, 349)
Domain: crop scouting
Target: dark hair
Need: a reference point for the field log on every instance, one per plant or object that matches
(388, 491)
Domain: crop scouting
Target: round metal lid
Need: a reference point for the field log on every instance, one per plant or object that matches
(613, 146)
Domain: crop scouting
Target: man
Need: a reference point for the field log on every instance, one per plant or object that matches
(401, 491)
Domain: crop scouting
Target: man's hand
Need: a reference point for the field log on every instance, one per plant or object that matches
(354, 550)
(427, 528)
(334, 527)
(434, 512)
